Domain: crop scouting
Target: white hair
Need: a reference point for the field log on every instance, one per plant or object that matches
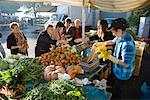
(13, 23)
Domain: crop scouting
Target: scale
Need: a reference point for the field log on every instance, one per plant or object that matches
(93, 68)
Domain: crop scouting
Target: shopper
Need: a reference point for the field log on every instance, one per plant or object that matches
(102, 33)
(58, 34)
(67, 25)
(45, 43)
(76, 31)
(16, 41)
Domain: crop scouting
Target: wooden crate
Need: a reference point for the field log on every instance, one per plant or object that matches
(140, 46)
(138, 61)
(106, 72)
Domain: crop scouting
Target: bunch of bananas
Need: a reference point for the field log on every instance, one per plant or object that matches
(102, 51)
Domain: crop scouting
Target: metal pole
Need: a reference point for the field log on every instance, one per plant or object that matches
(83, 19)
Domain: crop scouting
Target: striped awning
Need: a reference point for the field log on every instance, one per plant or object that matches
(26, 0)
(103, 5)
(119, 5)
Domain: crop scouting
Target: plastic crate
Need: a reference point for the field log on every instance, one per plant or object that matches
(88, 67)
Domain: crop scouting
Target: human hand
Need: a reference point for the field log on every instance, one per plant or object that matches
(97, 44)
(52, 46)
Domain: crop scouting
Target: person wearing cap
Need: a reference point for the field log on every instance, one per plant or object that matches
(123, 57)
(45, 42)
(16, 41)
(2, 51)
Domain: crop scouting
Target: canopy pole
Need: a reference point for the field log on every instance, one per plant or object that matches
(83, 19)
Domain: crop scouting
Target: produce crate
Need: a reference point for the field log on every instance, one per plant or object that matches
(88, 67)
(83, 46)
(106, 72)
(140, 46)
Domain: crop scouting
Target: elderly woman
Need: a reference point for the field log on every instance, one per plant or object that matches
(16, 41)
(76, 31)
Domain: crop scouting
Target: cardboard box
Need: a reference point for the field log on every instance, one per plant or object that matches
(140, 46)
(138, 61)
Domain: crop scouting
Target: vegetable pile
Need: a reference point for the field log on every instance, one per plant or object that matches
(22, 77)
(51, 72)
(17, 70)
(56, 90)
(61, 56)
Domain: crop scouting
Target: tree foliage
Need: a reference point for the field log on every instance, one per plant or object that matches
(134, 18)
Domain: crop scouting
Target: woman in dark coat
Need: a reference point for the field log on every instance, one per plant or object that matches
(16, 41)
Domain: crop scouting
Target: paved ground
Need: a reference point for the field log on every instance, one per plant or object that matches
(32, 37)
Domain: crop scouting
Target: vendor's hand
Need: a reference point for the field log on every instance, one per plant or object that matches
(52, 46)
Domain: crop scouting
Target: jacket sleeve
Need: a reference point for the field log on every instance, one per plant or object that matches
(10, 41)
(128, 53)
(43, 39)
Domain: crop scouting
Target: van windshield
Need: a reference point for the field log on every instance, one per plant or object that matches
(56, 17)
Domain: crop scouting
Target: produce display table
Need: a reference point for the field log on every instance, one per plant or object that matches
(25, 77)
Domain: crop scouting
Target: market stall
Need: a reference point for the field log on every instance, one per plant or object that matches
(62, 73)
(54, 75)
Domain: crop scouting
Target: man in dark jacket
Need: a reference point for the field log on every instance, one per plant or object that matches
(45, 43)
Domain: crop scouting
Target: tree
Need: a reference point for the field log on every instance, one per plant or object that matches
(134, 18)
